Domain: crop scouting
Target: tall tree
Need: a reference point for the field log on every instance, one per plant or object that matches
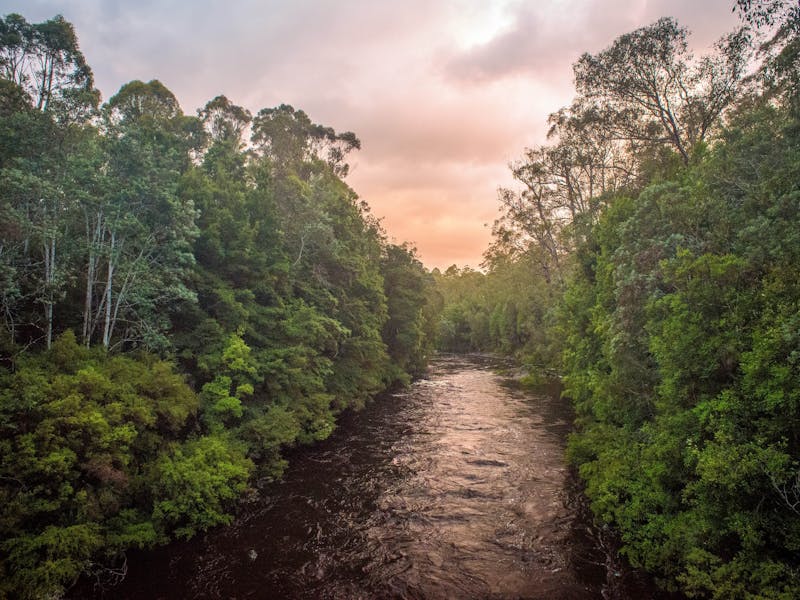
(140, 235)
(768, 12)
(656, 92)
(42, 63)
(224, 120)
(780, 68)
(408, 328)
(290, 139)
(45, 61)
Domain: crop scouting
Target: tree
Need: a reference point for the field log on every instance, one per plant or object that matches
(780, 68)
(139, 236)
(768, 12)
(145, 229)
(224, 120)
(564, 185)
(45, 61)
(289, 138)
(407, 331)
(683, 385)
(49, 93)
(80, 433)
(585, 160)
(656, 93)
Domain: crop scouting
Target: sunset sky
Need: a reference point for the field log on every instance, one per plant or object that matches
(442, 93)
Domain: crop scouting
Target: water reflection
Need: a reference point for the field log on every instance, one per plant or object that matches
(454, 488)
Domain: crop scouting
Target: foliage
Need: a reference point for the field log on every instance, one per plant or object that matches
(196, 481)
(81, 432)
(409, 331)
(149, 232)
(508, 310)
(679, 358)
(650, 91)
(653, 245)
(44, 60)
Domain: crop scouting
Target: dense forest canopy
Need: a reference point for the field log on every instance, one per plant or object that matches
(650, 256)
(182, 296)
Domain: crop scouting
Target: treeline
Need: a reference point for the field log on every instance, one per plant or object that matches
(505, 310)
(655, 248)
(181, 297)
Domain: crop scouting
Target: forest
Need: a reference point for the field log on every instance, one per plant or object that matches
(184, 297)
(650, 258)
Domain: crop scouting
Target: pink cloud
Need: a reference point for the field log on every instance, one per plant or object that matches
(439, 116)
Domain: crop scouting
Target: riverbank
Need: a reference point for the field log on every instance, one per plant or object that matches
(454, 487)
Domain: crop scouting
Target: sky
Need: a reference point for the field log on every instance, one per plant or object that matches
(443, 94)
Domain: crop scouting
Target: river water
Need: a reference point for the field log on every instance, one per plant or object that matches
(453, 488)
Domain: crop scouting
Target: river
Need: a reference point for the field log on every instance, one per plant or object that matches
(453, 488)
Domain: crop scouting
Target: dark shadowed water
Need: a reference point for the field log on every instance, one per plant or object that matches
(454, 488)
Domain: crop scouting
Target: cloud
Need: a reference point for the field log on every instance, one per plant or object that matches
(443, 94)
(442, 208)
(531, 47)
(546, 38)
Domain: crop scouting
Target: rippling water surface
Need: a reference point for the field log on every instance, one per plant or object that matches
(454, 488)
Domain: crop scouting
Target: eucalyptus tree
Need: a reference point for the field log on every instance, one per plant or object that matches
(224, 120)
(49, 95)
(304, 159)
(780, 68)
(140, 234)
(290, 139)
(45, 61)
(531, 219)
(642, 95)
(562, 185)
(768, 12)
(586, 159)
(409, 329)
(657, 93)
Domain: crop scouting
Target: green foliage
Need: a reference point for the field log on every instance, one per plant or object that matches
(654, 246)
(651, 91)
(44, 60)
(143, 230)
(409, 329)
(147, 231)
(266, 432)
(681, 336)
(80, 430)
(43, 563)
(196, 481)
(509, 310)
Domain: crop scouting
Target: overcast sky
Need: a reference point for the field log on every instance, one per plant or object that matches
(442, 93)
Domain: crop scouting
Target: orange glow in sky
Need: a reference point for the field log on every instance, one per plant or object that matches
(442, 93)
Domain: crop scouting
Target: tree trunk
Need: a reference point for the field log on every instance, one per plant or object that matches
(91, 277)
(49, 282)
(109, 282)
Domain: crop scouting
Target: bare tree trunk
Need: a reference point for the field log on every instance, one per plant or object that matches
(40, 104)
(49, 282)
(109, 282)
(49, 91)
(93, 238)
(87, 303)
(547, 240)
(49, 317)
(127, 282)
(8, 315)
